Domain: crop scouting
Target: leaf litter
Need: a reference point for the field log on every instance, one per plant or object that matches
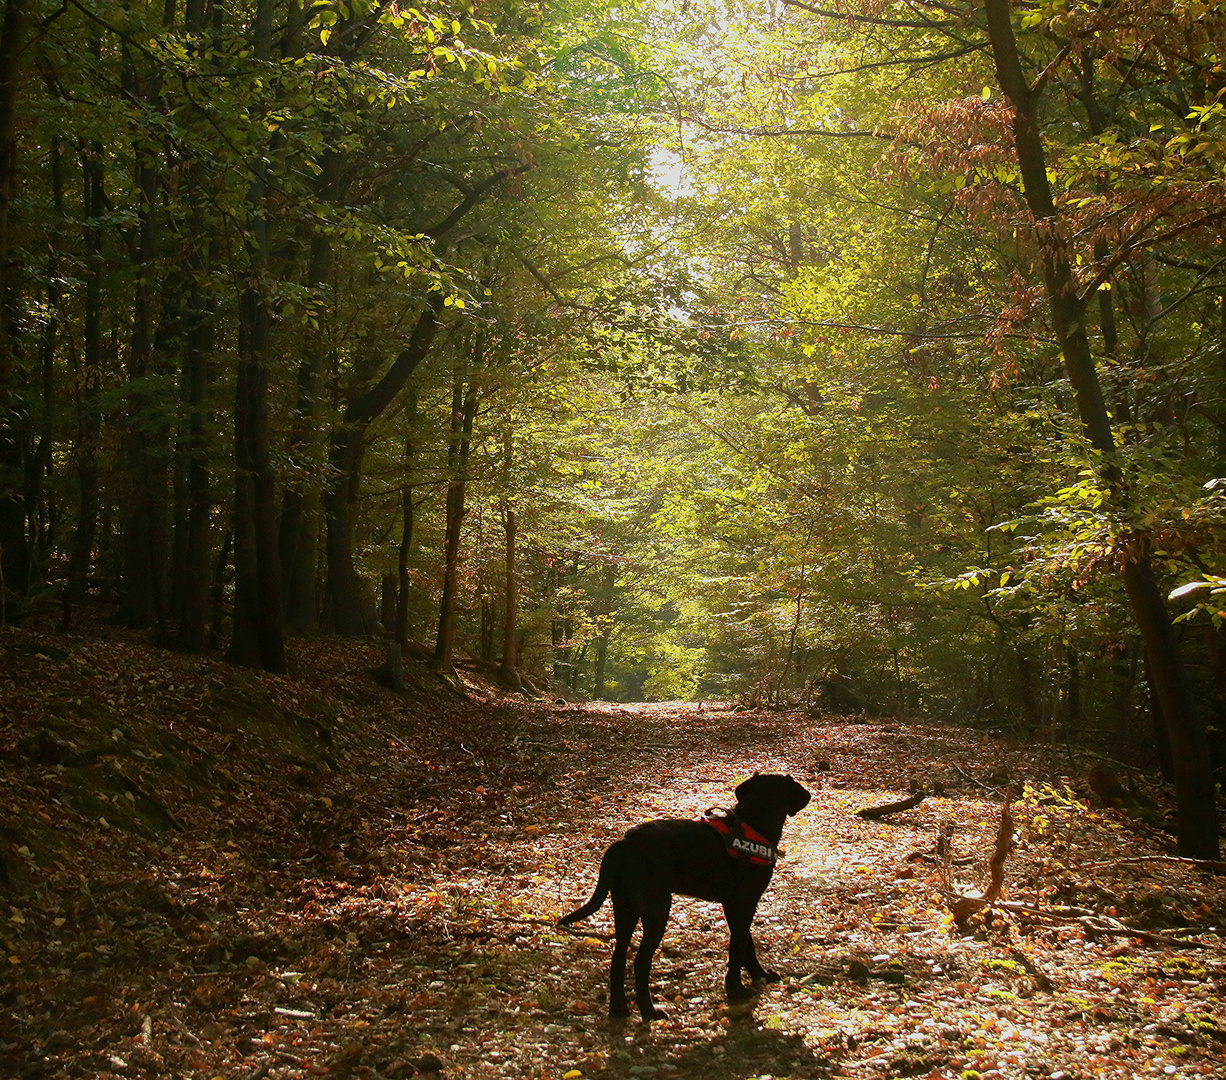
(213, 873)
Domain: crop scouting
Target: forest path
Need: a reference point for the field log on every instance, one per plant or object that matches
(874, 983)
(362, 884)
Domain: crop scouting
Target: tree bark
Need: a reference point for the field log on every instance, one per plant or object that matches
(88, 373)
(606, 629)
(14, 548)
(191, 567)
(348, 440)
(464, 411)
(41, 461)
(404, 555)
(193, 451)
(1194, 788)
(143, 497)
(299, 537)
(348, 445)
(510, 610)
(258, 635)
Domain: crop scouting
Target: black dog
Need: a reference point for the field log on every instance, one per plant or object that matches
(715, 859)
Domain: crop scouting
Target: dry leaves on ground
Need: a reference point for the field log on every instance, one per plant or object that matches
(212, 873)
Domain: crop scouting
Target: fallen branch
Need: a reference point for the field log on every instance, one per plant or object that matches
(871, 813)
(964, 906)
(1094, 924)
(1104, 926)
(1217, 865)
(1004, 845)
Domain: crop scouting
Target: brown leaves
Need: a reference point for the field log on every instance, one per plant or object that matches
(396, 911)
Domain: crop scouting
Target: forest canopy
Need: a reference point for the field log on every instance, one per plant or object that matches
(871, 358)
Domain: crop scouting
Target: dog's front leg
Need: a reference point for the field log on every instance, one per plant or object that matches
(756, 970)
(740, 950)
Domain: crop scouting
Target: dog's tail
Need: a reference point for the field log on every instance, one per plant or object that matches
(603, 883)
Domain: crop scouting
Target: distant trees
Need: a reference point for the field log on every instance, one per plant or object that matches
(1047, 201)
(234, 242)
(865, 361)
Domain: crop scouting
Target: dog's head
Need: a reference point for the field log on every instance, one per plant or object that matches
(773, 790)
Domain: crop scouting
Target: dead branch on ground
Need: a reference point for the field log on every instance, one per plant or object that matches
(1095, 924)
(872, 813)
(964, 905)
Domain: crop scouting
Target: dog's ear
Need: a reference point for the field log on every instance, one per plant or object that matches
(800, 797)
(742, 789)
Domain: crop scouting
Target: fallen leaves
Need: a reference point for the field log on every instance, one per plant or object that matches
(379, 902)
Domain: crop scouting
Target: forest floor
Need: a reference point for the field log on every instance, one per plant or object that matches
(212, 873)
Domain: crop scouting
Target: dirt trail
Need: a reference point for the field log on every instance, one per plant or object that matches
(875, 983)
(386, 906)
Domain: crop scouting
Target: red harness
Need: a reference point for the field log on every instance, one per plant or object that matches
(742, 841)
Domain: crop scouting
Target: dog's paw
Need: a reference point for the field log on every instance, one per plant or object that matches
(652, 1013)
(739, 993)
(769, 977)
(618, 1010)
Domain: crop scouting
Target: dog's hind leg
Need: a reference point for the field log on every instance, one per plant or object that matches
(655, 919)
(625, 919)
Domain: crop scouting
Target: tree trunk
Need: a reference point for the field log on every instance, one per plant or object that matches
(345, 606)
(218, 589)
(510, 617)
(1194, 787)
(606, 628)
(14, 550)
(345, 602)
(405, 555)
(88, 417)
(464, 411)
(258, 635)
(299, 537)
(1221, 375)
(487, 625)
(41, 461)
(191, 449)
(346, 453)
(602, 656)
(143, 496)
(1076, 715)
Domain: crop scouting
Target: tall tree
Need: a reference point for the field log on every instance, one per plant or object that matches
(14, 552)
(1194, 785)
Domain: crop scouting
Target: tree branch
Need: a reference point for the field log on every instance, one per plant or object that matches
(871, 20)
(778, 133)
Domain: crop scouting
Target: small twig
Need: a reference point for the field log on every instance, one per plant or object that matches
(261, 1070)
(1041, 981)
(576, 932)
